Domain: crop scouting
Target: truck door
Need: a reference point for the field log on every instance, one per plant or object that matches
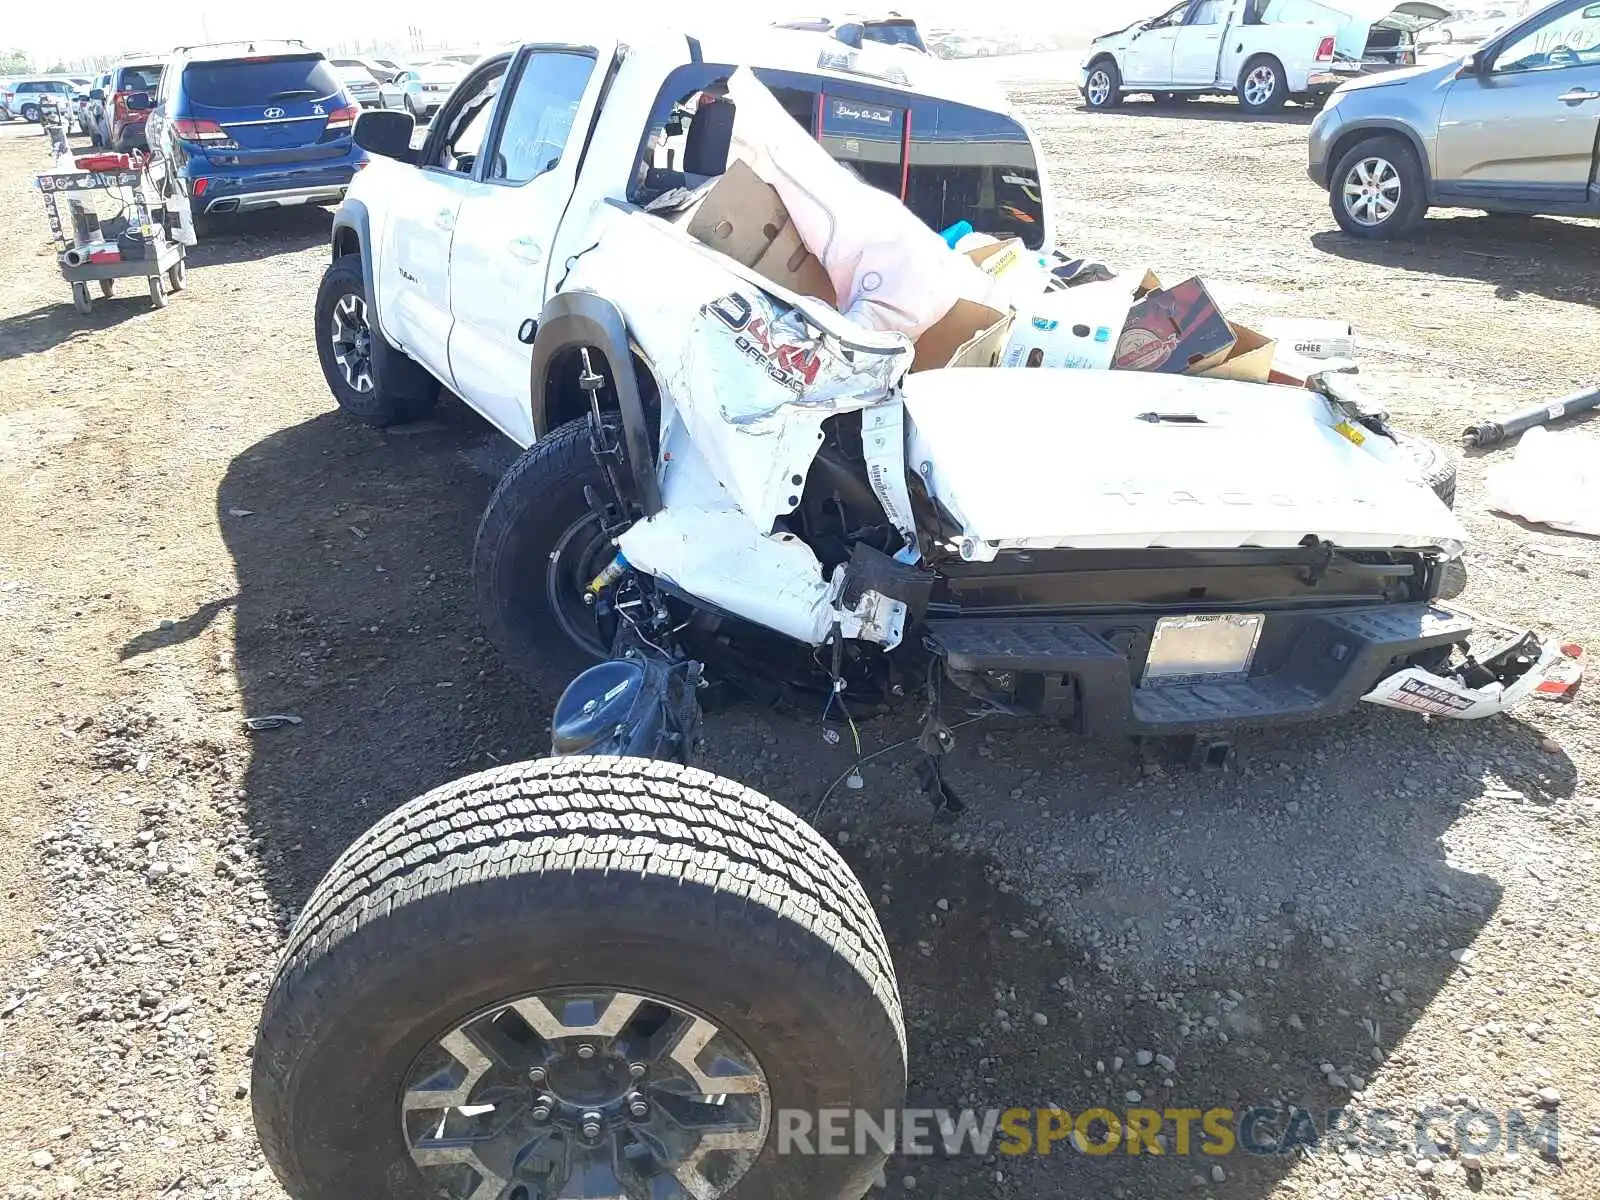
(1149, 54)
(423, 205)
(1199, 43)
(508, 223)
(1525, 127)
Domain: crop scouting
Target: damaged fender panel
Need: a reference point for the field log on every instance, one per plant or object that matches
(751, 371)
(718, 557)
(1417, 690)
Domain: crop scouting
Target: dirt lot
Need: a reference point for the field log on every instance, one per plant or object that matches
(1375, 914)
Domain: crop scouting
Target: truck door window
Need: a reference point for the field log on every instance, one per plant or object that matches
(542, 108)
(1206, 12)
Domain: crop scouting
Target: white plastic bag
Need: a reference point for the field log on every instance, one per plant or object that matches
(889, 270)
(1554, 480)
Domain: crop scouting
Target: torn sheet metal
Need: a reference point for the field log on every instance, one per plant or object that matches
(752, 372)
(883, 445)
(1420, 691)
(718, 557)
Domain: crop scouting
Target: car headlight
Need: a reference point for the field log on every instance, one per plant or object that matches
(1338, 94)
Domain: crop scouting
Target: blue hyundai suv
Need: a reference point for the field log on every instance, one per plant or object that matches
(254, 125)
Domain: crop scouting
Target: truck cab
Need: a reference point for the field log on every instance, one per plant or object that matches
(462, 242)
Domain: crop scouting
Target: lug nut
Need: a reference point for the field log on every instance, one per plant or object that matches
(638, 1106)
(637, 1070)
(541, 1111)
(537, 1075)
(591, 1125)
(586, 1051)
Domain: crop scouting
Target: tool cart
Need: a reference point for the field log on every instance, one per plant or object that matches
(101, 210)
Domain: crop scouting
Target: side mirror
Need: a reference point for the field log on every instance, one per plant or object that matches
(97, 94)
(139, 102)
(379, 131)
(1473, 64)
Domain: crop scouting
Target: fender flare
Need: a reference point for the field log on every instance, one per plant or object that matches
(1377, 127)
(352, 216)
(575, 320)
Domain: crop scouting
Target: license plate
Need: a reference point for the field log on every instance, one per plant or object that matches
(1202, 649)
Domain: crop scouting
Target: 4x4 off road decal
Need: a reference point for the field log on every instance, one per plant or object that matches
(794, 364)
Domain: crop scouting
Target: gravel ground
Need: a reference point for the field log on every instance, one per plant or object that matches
(1376, 913)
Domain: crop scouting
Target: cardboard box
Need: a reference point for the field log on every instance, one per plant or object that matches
(969, 335)
(1174, 330)
(743, 218)
(1250, 359)
(1078, 328)
(1314, 338)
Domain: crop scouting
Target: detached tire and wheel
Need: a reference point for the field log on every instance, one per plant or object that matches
(539, 545)
(1377, 190)
(578, 977)
(1102, 89)
(370, 379)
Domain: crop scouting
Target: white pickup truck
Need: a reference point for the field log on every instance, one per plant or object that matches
(1266, 52)
(611, 973)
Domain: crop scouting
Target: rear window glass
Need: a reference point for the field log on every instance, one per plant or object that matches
(245, 82)
(138, 79)
(893, 33)
(947, 162)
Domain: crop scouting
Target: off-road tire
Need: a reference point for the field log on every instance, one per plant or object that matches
(622, 873)
(1436, 464)
(1272, 101)
(1413, 205)
(538, 500)
(402, 389)
(1112, 97)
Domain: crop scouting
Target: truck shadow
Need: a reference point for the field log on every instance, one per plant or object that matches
(354, 613)
(1517, 256)
(1227, 111)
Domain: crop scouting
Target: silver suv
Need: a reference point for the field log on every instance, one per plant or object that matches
(1511, 128)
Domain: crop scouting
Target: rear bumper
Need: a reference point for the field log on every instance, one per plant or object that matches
(277, 187)
(1308, 666)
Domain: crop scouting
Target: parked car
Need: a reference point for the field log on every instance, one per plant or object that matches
(1511, 128)
(24, 97)
(1474, 27)
(359, 82)
(421, 90)
(1266, 52)
(251, 125)
(380, 70)
(891, 29)
(114, 118)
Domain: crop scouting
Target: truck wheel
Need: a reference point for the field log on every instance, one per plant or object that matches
(30, 112)
(370, 379)
(1377, 190)
(1436, 465)
(1103, 87)
(538, 547)
(582, 976)
(1263, 87)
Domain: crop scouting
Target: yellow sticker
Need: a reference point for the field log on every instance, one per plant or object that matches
(1351, 432)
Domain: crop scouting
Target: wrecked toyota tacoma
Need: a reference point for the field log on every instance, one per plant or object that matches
(609, 973)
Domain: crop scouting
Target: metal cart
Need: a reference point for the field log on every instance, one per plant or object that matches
(85, 255)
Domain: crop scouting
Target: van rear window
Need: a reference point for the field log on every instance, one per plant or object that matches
(245, 82)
